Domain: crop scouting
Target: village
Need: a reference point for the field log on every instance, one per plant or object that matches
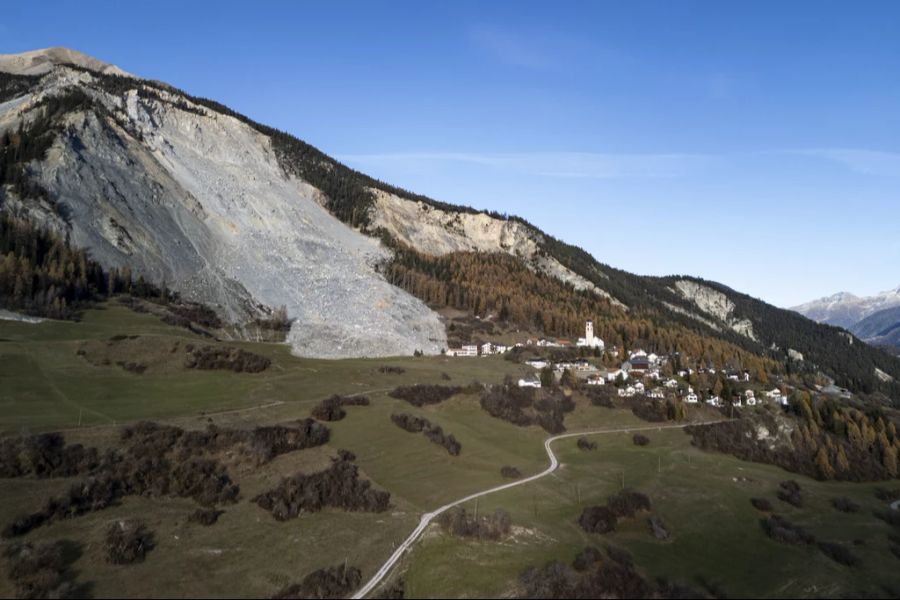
(640, 374)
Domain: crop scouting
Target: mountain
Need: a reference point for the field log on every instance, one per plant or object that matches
(39, 62)
(189, 194)
(845, 309)
(881, 328)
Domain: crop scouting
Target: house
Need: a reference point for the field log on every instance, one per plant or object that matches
(654, 375)
(639, 363)
(671, 384)
(749, 394)
(751, 401)
(627, 392)
(595, 380)
(614, 374)
(714, 401)
(639, 388)
(656, 393)
(537, 363)
(469, 350)
(653, 358)
(487, 348)
(736, 401)
(691, 398)
(532, 383)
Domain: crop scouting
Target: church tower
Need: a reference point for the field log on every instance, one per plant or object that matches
(589, 333)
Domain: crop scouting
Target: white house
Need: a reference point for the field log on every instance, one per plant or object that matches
(749, 394)
(613, 374)
(537, 363)
(691, 398)
(656, 393)
(627, 392)
(487, 348)
(714, 401)
(736, 401)
(671, 384)
(595, 380)
(532, 383)
(639, 387)
(470, 350)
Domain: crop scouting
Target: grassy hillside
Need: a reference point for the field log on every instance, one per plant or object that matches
(702, 497)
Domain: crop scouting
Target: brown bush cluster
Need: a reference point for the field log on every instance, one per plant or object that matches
(210, 358)
(603, 519)
(527, 406)
(154, 460)
(41, 570)
(457, 522)
(332, 582)
(332, 409)
(510, 472)
(421, 394)
(338, 486)
(128, 542)
(434, 433)
(597, 574)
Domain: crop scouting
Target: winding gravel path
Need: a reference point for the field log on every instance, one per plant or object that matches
(427, 518)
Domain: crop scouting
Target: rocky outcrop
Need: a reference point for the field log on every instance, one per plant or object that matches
(433, 231)
(715, 304)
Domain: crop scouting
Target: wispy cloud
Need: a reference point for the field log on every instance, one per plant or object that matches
(864, 162)
(513, 49)
(553, 164)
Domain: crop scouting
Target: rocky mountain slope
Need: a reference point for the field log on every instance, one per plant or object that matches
(246, 218)
(198, 200)
(881, 328)
(844, 309)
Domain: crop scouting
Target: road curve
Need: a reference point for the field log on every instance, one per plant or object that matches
(554, 463)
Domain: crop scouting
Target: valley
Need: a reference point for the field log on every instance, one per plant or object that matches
(702, 497)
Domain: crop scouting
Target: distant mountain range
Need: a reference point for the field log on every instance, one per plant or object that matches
(875, 319)
(185, 192)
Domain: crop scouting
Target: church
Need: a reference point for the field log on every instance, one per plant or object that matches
(589, 341)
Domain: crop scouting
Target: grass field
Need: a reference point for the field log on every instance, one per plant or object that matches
(704, 498)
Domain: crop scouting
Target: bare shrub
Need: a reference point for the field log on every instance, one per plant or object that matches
(434, 433)
(628, 502)
(780, 529)
(510, 472)
(338, 486)
(226, 359)
(839, 553)
(331, 582)
(595, 576)
(640, 440)
(586, 444)
(789, 491)
(845, 505)
(331, 409)
(205, 516)
(597, 519)
(41, 570)
(658, 528)
(421, 394)
(128, 542)
(457, 522)
(525, 406)
(391, 370)
(761, 504)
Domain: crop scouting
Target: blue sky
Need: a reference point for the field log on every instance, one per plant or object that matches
(756, 144)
